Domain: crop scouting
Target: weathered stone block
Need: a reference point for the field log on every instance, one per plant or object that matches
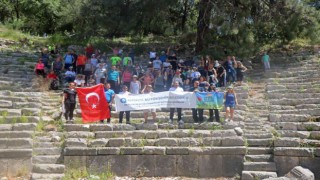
(139, 134)
(76, 142)
(287, 142)
(240, 150)
(109, 134)
(143, 165)
(80, 134)
(152, 135)
(177, 151)
(202, 134)
(98, 143)
(30, 111)
(188, 165)
(285, 164)
(24, 126)
(123, 127)
(232, 141)
(75, 151)
(186, 142)
(210, 141)
(77, 127)
(295, 152)
(75, 162)
(209, 169)
(167, 142)
(100, 127)
(116, 142)
(109, 151)
(147, 126)
(15, 153)
(312, 164)
(299, 172)
(165, 166)
(162, 134)
(131, 150)
(19, 144)
(151, 150)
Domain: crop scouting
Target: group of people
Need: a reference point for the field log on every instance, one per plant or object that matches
(163, 72)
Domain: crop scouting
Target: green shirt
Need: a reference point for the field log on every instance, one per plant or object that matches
(115, 60)
(265, 58)
(126, 60)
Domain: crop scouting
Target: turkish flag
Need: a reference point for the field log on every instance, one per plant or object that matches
(93, 103)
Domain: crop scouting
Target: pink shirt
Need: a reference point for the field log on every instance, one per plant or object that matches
(40, 66)
(126, 76)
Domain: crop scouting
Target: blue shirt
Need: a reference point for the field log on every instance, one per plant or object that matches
(109, 93)
(163, 58)
(230, 99)
(113, 75)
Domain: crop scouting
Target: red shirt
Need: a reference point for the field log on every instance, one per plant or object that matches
(81, 60)
(52, 76)
(89, 49)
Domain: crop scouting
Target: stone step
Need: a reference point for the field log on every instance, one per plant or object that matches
(260, 142)
(52, 159)
(47, 151)
(44, 144)
(259, 158)
(258, 136)
(18, 143)
(48, 168)
(38, 176)
(43, 139)
(16, 134)
(259, 166)
(259, 150)
(255, 175)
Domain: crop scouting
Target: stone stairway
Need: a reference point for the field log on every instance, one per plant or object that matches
(47, 159)
(258, 162)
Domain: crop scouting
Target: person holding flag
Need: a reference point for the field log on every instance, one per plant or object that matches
(69, 101)
(110, 94)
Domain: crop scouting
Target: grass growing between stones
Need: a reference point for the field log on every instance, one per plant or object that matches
(84, 174)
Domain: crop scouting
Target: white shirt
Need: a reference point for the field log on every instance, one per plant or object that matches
(157, 64)
(195, 74)
(124, 93)
(178, 89)
(152, 54)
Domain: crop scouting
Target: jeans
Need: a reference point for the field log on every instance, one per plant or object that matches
(172, 112)
(69, 107)
(216, 115)
(195, 113)
(127, 116)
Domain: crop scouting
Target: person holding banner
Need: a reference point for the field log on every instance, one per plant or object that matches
(176, 88)
(148, 90)
(197, 111)
(124, 92)
(69, 101)
(109, 93)
(213, 88)
(230, 103)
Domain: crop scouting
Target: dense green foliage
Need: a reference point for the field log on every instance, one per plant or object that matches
(240, 26)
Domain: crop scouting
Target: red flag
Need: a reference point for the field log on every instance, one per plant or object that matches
(93, 103)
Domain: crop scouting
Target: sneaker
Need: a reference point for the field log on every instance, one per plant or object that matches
(226, 120)
(180, 122)
(170, 121)
(128, 122)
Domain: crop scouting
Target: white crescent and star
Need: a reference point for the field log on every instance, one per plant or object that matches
(92, 94)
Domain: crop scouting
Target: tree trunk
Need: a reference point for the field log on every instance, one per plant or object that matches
(205, 7)
(184, 16)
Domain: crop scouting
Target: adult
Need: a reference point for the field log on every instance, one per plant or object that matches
(147, 79)
(131, 54)
(45, 58)
(127, 60)
(110, 94)
(231, 73)
(68, 60)
(100, 74)
(157, 64)
(126, 93)
(115, 60)
(266, 61)
(213, 88)
(152, 54)
(197, 114)
(88, 70)
(75, 57)
(158, 82)
(176, 88)
(177, 78)
(80, 63)
(89, 50)
(70, 75)
(69, 101)
(126, 77)
(168, 76)
(113, 78)
(163, 57)
(195, 75)
(135, 85)
(240, 69)
(230, 103)
(221, 74)
(39, 68)
(57, 65)
(94, 61)
(148, 90)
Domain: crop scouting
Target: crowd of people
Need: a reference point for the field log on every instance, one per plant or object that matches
(163, 71)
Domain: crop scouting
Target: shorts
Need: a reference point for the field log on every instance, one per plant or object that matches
(149, 110)
(233, 106)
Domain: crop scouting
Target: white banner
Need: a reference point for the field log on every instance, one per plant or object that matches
(167, 99)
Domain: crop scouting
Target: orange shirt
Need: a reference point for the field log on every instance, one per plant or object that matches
(81, 60)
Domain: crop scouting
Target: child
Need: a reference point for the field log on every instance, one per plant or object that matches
(91, 81)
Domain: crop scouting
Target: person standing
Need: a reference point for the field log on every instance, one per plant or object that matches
(240, 69)
(100, 74)
(39, 68)
(69, 101)
(148, 90)
(135, 85)
(109, 93)
(124, 92)
(176, 88)
(68, 60)
(266, 61)
(81, 61)
(197, 111)
(230, 103)
(113, 78)
(231, 73)
(126, 76)
(213, 88)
